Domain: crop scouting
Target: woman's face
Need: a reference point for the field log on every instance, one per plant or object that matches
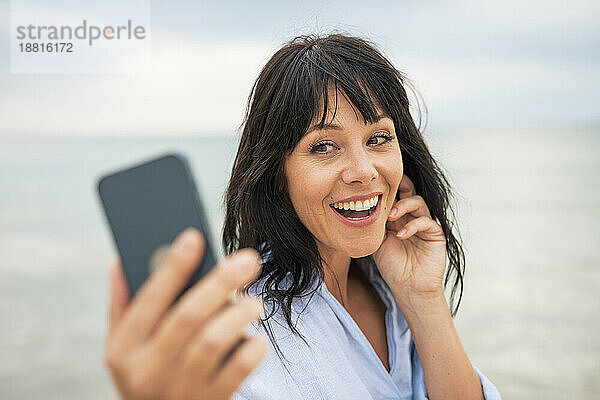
(346, 165)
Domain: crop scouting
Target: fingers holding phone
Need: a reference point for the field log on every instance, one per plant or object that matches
(191, 349)
(161, 288)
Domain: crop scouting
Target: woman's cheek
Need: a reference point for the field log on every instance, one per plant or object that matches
(397, 174)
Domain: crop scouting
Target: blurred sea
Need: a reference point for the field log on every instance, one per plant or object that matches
(529, 212)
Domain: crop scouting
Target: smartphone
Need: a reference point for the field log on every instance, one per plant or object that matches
(147, 206)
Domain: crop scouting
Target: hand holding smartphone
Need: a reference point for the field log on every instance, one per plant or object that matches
(166, 341)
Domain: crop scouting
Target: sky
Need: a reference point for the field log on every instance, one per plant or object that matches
(479, 65)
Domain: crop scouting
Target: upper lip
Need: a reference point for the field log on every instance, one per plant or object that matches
(358, 198)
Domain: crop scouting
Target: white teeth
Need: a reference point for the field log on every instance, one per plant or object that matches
(359, 205)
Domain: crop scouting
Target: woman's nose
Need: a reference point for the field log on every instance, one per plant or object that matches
(359, 168)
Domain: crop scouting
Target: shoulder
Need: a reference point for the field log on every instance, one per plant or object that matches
(292, 360)
(309, 365)
(314, 367)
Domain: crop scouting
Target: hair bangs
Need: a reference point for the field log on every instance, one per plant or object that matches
(329, 75)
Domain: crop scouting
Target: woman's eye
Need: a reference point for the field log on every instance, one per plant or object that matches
(381, 138)
(322, 148)
(328, 147)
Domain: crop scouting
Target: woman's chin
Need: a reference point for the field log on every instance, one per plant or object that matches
(363, 249)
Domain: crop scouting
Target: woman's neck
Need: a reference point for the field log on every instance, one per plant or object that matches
(337, 271)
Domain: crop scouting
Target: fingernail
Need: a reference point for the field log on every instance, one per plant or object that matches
(393, 212)
(402, 232)
(244, 262)
(186, 241)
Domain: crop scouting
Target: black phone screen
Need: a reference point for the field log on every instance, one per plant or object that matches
(147, 206)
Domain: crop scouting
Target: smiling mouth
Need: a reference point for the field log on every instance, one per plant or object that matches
(353, 214)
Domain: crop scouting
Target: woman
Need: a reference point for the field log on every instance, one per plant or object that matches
(354, 251)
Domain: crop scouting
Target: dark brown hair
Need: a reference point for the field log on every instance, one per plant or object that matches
(289, 93)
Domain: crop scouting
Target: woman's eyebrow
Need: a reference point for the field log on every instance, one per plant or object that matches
(328, 126)
(381, 116)
(324, 127)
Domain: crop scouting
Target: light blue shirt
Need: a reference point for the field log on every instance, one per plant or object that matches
(339, 362)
